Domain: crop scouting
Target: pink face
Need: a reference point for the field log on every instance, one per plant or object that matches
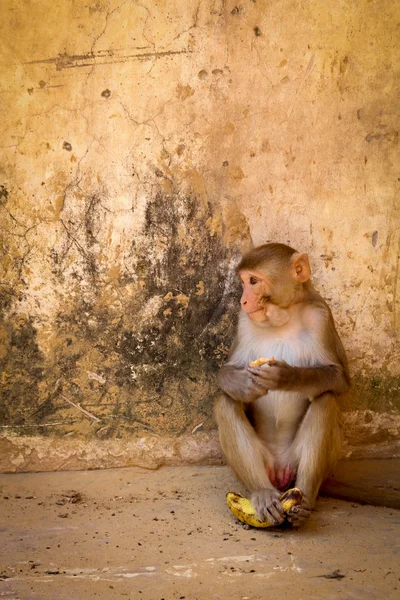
(255, 300)
(254, 286)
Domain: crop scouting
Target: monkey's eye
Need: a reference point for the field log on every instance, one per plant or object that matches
(253, 280)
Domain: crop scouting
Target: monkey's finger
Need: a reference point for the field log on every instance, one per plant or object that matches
(263, 373)
(259, 385)
(275, 521)
(278, 506)
(275, 513)
(268, 380)
(298, 515)
(265, 515)
(258, 376)
(256, 370)
(275, 510)
(277, 363)
(255, 379)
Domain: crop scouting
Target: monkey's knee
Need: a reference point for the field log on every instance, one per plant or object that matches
(326, 402)
(324, 412)
(227, 409)
(221, 408)
(225, 418)
(324, 415)
(318, 443)
(240, 444)
(227, 426)
(233, 426)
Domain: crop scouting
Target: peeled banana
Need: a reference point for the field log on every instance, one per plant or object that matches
(243, 509)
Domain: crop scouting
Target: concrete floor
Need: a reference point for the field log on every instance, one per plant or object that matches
(168, 534)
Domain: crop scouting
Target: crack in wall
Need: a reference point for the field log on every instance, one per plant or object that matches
(90, 59)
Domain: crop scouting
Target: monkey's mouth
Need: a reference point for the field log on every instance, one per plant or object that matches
(252, 311)
(257, 315)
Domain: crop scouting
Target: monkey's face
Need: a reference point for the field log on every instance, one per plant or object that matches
(256, 300)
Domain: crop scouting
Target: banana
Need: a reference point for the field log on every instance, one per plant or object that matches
(243, 509)
(291, 498)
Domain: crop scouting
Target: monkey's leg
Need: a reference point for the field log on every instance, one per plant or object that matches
(246, 456)
(316, 449)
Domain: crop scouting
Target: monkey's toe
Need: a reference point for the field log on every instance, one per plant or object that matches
(267, 505)
(298, 515)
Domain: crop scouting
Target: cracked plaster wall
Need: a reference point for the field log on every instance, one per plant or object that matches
(144, 145)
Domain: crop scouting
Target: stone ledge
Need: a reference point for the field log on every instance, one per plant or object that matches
(34, 454)
(368, 481)
(367, 435)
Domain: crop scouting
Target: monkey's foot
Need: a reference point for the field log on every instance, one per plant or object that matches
(275, 510)
(267, 506)
(297, 515)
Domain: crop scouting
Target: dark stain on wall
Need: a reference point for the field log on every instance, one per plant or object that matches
(377, 392)
(139, 353)
(21, 365)
(3, 195)
(184, 262)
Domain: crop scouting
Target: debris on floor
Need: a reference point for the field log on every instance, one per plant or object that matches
(168, 534)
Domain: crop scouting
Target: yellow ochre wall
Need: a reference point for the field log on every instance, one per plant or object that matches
(144, 145)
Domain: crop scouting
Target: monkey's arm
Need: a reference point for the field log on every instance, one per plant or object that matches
(311, 381)
(240, 384)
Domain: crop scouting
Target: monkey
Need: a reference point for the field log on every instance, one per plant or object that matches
(279, 424)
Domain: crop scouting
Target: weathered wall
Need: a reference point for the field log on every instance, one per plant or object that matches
(144, 144)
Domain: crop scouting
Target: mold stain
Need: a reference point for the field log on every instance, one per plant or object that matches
(21, 366)
(3, 195)
(154, 334)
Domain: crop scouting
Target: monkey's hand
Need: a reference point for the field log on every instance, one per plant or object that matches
(298, 515)
(266, 502)
(240, 384)
(312, 381)
(277, 375)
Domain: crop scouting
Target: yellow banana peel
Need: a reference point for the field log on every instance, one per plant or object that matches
(243, 509)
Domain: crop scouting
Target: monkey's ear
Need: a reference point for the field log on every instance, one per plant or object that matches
(301, 267)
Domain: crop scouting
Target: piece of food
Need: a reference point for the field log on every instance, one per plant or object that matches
(243, 509)
(261, 361)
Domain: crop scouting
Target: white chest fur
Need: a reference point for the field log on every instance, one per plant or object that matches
(292, 343)
(278, 413)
